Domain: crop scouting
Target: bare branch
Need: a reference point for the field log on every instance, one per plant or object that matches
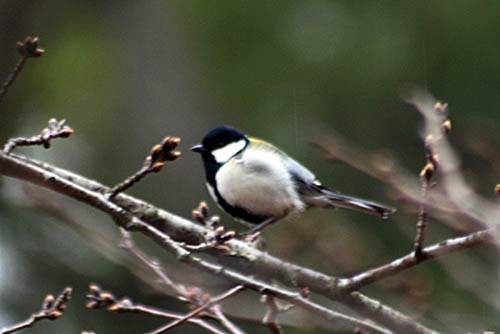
(386, 169)
(140, 216)
(56, 129)
(191, 295)
(411, 259)
(128, 243)
(221, 317)
(98, 298)
(427, 173)
(27, 49)
(212, 301)
(52, 309)
(273, 309)
(153, 163)
(462, 197)
(183, 293)
(384, 314)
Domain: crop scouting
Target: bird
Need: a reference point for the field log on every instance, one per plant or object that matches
(258, 184)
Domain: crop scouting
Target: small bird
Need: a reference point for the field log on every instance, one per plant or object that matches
(257, 183)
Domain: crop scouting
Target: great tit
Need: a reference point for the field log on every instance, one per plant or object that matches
(257, 183)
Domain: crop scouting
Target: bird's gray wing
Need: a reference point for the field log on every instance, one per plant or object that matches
(302, 177)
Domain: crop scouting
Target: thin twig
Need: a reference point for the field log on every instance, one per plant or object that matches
(27, 49)
(273, 309)
(130, 181)
(421, 222)
(12, 76)
(221, 317)
(212, 301)
(128, 243)
(183, 293)
(52, 309)
(55, 129)
(425, 178)
(386, 169)
(153, 163)
(164, 314)
(459, 193)
(430, 252)
(98, 298)
(427, 173)
(371, 308)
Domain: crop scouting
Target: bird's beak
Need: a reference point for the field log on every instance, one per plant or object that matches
(198, 148)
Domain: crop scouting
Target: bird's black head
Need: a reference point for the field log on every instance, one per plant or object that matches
(220, 137)
(221, 143)
(218, 146)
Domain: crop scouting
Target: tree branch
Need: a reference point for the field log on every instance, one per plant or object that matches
(153, 164)
(385, 315)
(97, 298)
(431, 252)
(27, 49)
(52, 309)
(461, 196)
(55, 129)
(195, 312)
(193, 295)
(136, 215)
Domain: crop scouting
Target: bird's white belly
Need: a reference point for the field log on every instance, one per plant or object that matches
(257, 188)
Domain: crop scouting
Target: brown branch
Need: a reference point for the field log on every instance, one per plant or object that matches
(194, 296)
(136, 215)
(221, 317)
(27, 49)
(273, 309)
(426, 175)
(13, 75)
(195, 312)
(153, 163)
(52, 309)
(423, 216)
(295, 298)
(386, 169)
(459, 193)
(384, 314)
(269, 319)
(97, 299)
(172, 315)
(55, 129)
(426, 179)
(180, 290)
(431, 252)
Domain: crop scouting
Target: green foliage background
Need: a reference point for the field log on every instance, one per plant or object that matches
(126, 73)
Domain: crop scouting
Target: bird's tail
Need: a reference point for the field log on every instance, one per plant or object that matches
(330, 198)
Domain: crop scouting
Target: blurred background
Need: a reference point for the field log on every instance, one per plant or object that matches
(125, 74)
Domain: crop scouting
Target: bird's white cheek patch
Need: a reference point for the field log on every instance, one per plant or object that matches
(225, 153)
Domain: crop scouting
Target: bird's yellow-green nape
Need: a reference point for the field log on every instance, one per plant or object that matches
(259, 143)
